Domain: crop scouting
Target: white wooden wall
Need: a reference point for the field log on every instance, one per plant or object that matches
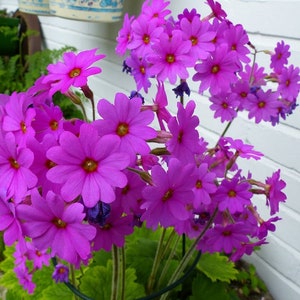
(267, 22)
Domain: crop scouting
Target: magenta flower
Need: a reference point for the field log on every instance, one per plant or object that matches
(125, 120)
(155, 9)
(171, 57)
(161, 103)
(280, 57)
(171, 195)
(73, 71)
(124, 35)
(48, 120)
(25, 278)
(39, 257)
(243, 150)
(61, 273)
(233, 195)
(289, 83)
(18, 118)
(204, 186)
(9, 222)
(217, 72)
(264, 106)
(15, 174)
(113, 232)
(274, 191)
(224, 106)
(145, 33)
(53, 224)
(225, 238)
(217, 10)
(200, 34)
(254, 75)
(88, 165)
(140, 71)
(184, 142)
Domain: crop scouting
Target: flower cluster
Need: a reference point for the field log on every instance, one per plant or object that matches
(218, 53)
(72, 187)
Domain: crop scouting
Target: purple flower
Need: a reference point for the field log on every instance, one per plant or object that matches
(125, 122)
(155, 9)
(73, 71)
(289, 83)
(280, 57)
(170, 57)
(264, 106)
(217, 10)
(274, 191)
(225, 238)
(88, 165)
(61, 273)
(124, 35)
(184, 142)
(15, 176)
(233, 195)
(217, 72)
(25, 278)
(18, 118)
(9, 222)
(53, 224)
(171, 195)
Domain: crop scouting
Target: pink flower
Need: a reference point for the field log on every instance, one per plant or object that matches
(171, 195)
(184, 142)
(124, 35)
(61, 273)
(155, 9)
(9, 222)
(125, 121)
(73, 71)
(274, 191)
(224, 106)
(264, 106)
(200, 34)
(113, 232)
(88, 165)
(217, 72)
(53, 224)
(217, 10)
(225, 238)
(289, 83)
(18, 118)
(15, 174)
(170, 57)
(145, 33)
(204, 186)
(233, 195)
(280, 57)
(25, 278)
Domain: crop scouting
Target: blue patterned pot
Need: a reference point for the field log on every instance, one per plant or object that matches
(88, 10)
(37, 7)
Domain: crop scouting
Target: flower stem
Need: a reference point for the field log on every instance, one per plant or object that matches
(189, 254)
(157, 260)
(115, 276)
(121, 255)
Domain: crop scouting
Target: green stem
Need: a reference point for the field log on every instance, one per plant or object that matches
(189, 254)
(168, 262)
(115, 276)
(156, 263)
(121, 254)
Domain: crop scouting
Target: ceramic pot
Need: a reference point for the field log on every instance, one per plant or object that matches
(37, 7)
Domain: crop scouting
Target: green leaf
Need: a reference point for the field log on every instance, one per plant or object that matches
(204, 288)
(57, 291)
(217, 267)
(96, 283)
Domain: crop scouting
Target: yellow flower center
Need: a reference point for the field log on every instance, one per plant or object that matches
(89, 165)
(53, 125)
(14, 163)
(194, 40)
(231, 193)
(75, 72)
(170, 58)
(146, 39)
(215, 69)
(23, 127)
(122, 129)
(167, 195)
(59, 223)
